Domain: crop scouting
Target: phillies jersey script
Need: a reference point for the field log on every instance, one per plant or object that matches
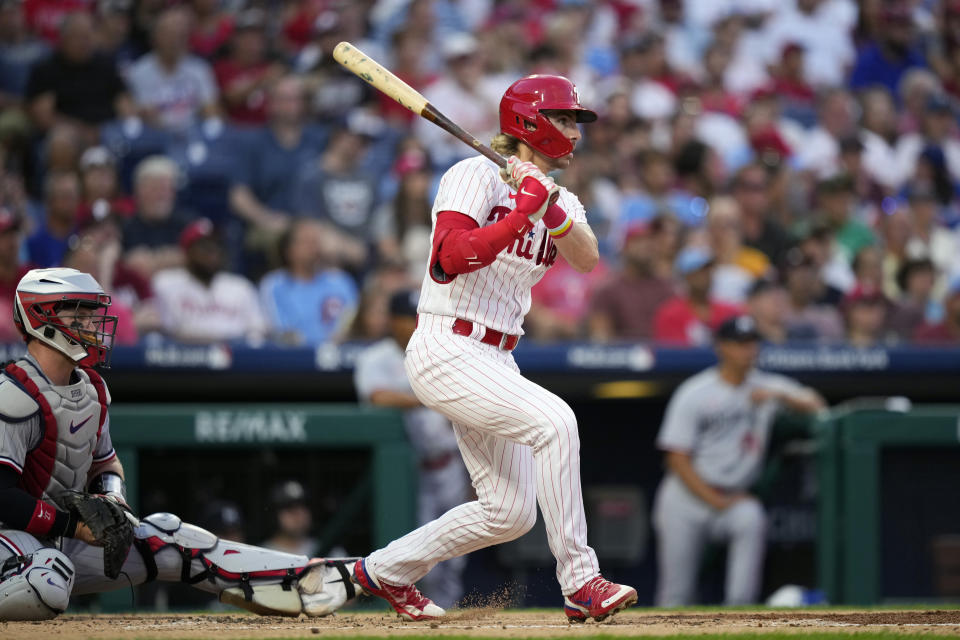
(497, 296)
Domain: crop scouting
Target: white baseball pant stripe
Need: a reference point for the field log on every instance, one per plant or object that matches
(685, 524)
(519, 443)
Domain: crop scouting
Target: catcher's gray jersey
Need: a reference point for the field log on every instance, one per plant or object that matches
(721, 428)
(80, 440)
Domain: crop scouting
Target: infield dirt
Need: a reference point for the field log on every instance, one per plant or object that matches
(481, 622)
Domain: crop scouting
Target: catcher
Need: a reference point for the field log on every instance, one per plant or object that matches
(65, 527)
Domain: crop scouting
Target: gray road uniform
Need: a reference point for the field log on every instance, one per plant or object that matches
(49, 437)
(442, 477)
(726, 434)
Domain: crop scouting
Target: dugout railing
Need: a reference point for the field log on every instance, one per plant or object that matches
(878, 517)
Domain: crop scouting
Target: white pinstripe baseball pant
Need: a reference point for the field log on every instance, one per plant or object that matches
(520, 445)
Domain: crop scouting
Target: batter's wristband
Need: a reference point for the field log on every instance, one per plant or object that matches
(565, 227)
(557, 221)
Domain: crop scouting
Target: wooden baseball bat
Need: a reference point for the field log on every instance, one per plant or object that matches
(377, 75)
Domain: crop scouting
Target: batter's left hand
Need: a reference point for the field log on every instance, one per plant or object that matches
(516, 170)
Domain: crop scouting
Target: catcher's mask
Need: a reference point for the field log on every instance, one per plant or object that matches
(66, 310)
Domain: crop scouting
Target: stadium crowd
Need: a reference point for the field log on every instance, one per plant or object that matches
(225, 179)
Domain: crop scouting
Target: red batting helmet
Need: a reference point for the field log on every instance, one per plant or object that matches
(521, 112)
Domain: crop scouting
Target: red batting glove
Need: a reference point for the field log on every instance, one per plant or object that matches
(533, 198)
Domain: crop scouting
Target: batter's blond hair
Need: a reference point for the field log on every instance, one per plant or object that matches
(505, 144)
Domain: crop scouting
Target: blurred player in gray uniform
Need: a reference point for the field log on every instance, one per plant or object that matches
(55, 437)
(715, 437)
(381, 380)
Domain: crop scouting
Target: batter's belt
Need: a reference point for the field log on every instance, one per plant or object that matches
(505, 341)
(492, 337)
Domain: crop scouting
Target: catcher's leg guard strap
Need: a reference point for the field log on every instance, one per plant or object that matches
(143, 548)
(345, 576)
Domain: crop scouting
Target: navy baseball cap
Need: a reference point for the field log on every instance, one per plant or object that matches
(404, 303)
(737, 329)
(287, 494)
(220, 515)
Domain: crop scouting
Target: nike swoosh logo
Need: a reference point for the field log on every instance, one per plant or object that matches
(526, 193)
(75, 428)
(54, 584)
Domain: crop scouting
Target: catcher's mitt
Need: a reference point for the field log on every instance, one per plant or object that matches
(108, 523)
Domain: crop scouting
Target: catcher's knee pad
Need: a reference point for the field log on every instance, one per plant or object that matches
(35, 587)
(261, 580)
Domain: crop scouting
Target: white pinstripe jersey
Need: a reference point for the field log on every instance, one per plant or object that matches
(498, 295)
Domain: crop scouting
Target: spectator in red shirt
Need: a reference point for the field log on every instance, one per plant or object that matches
(624, 307)
(561, 301)
(947, 331)
(790, 84)
(713, 93)
(10, 272)
(691, 318)
(211, 28)
(44, 17)
(245, 75)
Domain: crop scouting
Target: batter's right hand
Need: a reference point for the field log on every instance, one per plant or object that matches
(534, 197)
(83, 534)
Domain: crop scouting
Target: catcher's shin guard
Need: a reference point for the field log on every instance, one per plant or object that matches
(36, 586)
(261, 580)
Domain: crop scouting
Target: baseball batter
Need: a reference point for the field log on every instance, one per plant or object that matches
(57, 464)
(495, 233)
(715, 437)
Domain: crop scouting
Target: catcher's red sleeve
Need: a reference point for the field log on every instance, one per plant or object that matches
(461, 246)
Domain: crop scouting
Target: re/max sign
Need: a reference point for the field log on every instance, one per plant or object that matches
(250, 426)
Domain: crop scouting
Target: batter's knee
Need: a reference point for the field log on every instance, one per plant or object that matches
(556, 424)
(510, 523)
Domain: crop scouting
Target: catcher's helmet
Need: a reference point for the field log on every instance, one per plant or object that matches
(66, 310)
(521, 112)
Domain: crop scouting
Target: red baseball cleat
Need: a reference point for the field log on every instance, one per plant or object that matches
(598, 599)
(407, 601)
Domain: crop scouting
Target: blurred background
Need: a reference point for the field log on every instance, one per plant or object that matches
(797, 160)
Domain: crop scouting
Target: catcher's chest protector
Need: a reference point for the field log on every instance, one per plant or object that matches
(72, 418)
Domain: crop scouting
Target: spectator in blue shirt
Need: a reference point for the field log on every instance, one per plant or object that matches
(308, 300)
(263, 191)
(885, 60)
(336, 190)
(47, 246)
